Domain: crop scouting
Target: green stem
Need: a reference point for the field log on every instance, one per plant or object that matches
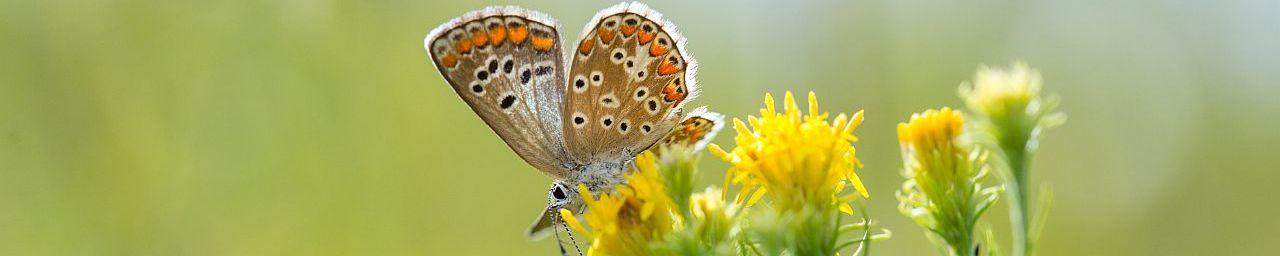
(963, 247)
(1019, 215)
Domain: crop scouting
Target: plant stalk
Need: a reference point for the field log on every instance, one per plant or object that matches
(1019, 213)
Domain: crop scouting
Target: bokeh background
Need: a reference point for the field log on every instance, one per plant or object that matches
(313, 127)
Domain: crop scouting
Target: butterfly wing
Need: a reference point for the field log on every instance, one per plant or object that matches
(697, 129)
(629, 78)
(507, 64)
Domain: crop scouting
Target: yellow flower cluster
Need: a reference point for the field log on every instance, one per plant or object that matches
(712, 226)
(942, 192)
(629, 221)
(800, 159)
(931, 137)
(804, 163)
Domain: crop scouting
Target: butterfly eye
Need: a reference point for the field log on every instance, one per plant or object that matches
(558, 194)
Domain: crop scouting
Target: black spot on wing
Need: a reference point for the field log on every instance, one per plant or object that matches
(507, 102)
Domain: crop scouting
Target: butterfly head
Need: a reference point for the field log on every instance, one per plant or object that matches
(562, 195)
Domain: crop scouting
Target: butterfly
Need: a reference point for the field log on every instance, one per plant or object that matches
(579, 117)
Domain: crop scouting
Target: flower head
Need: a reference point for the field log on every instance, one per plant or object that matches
(931, 138)
(799, 159)
(1011, 111)
(711, 226)
(997, 91)
(942, 192)
(633, 218)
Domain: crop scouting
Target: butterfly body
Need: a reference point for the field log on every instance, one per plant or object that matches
(581, 117)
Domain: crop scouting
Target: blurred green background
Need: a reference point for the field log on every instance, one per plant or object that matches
(320, 128)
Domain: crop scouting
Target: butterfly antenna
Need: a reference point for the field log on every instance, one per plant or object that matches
(571, 240)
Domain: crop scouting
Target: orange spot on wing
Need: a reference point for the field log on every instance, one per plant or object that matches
(585, 46)
(464, 46)
(656, 50)
(518, 34)
(694, 133)
(670, 94)
(666, 68)
(628, 30)
(480, 39)
(606, 35)
(542, 43)
(449, 60)
(644, 37)
(498, 34)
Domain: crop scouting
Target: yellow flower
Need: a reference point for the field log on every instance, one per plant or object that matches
(710, 228)
(799, 159)
(942, 192)
(628, 221)
(709, 205)
(931, 137)
(996, 91)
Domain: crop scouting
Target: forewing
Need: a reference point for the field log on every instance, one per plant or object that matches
(507, 64)
(629, 78)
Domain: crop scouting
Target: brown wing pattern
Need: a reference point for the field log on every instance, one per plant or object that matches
(507, 64)
(629, 79)
(697, 129)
